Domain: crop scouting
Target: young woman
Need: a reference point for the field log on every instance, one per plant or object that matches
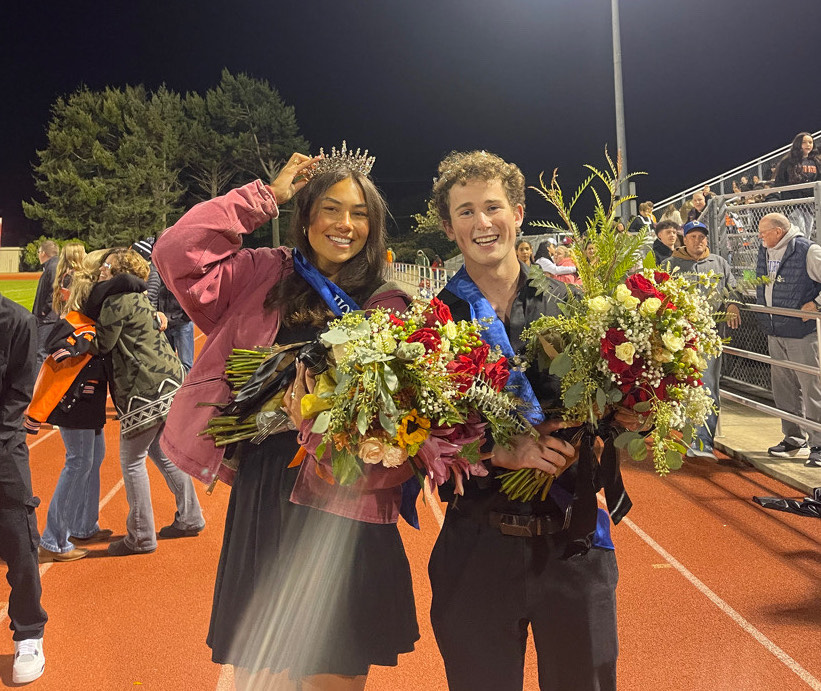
(801, 164)
(313, 584)
(145, 375)
(524, 252)
(72, 394)
(71, 260)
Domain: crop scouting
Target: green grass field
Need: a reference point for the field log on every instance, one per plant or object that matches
(21, 291)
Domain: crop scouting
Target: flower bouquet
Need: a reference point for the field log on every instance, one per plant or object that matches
(416, 386)
(634, 337)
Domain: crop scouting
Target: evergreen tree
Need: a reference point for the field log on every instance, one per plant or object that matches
(110, 173)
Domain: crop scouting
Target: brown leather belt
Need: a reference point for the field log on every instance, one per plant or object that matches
(528, 525)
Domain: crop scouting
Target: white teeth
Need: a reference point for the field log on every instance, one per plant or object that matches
(340, 241)
(486, 240)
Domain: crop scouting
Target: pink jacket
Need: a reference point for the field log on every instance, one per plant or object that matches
(222, 288)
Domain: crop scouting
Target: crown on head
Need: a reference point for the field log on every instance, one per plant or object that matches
(344, 158)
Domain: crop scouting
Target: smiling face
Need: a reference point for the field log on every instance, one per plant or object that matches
(806, 145)
(483, 223)
(339, 226)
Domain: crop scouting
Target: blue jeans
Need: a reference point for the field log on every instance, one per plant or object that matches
(711, 378)
(181, 339)
(75, 504)
(140, 522)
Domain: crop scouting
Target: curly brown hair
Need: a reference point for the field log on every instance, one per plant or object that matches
(460, 167)
(124, 260)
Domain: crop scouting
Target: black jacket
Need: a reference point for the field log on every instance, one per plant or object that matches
(45, 288)
(18, 345)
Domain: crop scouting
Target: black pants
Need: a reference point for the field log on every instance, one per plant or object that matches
(19, 540)
(487, 588)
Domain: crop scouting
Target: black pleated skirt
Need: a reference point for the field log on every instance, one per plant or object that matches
(303, 590)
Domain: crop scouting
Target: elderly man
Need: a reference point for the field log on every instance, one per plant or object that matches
(793, 265)
(695, 257)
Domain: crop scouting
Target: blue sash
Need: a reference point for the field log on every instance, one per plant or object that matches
(336, 298)
(462, 286)
(340, 303)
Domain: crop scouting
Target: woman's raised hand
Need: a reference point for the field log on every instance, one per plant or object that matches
(289, 182)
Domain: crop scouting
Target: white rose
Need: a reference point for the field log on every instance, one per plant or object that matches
(630, 303)
(625, 352)
(450, 330)
(372, 450)
(672, 342)
(599, 304)
(650, 307)
(689, 357)
(622, 292)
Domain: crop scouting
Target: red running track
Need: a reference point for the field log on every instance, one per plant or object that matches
(715, 592)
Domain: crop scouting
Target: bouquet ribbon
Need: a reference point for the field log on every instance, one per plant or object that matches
(339, 302)
(462, 286)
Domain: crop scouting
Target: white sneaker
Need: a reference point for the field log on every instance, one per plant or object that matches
(29, 661)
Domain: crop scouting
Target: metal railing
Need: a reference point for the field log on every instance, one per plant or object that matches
(758, 166)
(423, 281)
(772, 362)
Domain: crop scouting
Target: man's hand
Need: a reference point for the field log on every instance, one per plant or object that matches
(547, 453)
(810, 306)
(162, 321)
(733, 316)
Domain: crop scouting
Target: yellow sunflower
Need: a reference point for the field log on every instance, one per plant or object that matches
(413, 429)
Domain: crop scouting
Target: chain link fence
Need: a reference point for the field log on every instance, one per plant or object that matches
(733, 231)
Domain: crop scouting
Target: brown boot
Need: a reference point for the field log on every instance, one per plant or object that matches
(46, 555)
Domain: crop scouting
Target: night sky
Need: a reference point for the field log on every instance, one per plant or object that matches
(709, 84)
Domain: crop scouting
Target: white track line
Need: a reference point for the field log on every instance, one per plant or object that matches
(802, 673)
(43, 438)
(226, 678)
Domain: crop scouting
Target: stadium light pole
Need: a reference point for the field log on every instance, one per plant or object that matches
(621, 136)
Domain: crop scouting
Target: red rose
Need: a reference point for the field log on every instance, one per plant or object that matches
(661, 389)
(427, 337)
(497, 373)
(478, 355)
(463, 371)
(439, 312)
(636, 395)
(396, 321)
(611, 339)
(642, 288)
(660, 276)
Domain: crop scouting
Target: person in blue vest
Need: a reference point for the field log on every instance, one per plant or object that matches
(793, 265)
(500, 565)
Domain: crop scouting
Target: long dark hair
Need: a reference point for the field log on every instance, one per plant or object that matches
(359, 277)
(792, 161)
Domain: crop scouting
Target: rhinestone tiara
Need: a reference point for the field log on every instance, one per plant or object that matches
(344, 158)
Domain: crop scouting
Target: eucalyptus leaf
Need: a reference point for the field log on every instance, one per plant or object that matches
(637, 449)
(601, 400)
(625, 438)
(687, 434)
(614, 395)
(574, 394)
(363, 421)
(335, 337)
(390, 378)
(674, 459)
(561, 364)
(321, 423)
(387, 423)
(643, 407)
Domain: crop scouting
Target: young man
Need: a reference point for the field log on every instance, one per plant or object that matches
(500, 565)
(18, 523)
(42, 309)
(695, 258)
(665, 242)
